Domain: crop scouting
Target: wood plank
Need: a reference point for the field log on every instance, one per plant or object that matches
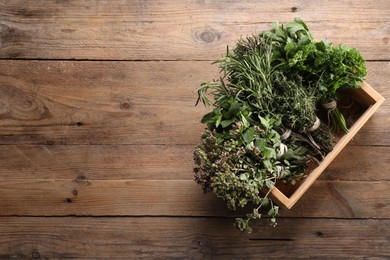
(157, 162)
(101, 103)
(356, 163)
(192, 238)
(97, 162)
(378, 76)
(342, 199)
(177, 30)
(63, 102)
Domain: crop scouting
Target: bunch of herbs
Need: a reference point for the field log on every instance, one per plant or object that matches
(264, 125)
(319, 64)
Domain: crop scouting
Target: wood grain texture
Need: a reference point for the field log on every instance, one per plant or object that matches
(101, 103)
(97, 162)
(51, 102)
(157, 162)
(192, 238)
(378, 76)
(96, 150)
(337, 199)
(139, 30)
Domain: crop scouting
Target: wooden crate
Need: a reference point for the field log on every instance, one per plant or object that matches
(369, 100)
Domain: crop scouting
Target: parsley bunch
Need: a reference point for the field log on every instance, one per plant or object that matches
(320, 65)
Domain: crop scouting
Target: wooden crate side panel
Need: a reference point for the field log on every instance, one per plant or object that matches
(368, 95)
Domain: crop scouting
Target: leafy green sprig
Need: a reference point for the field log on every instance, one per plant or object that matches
(318, 64)
(268, 91)
(239, 168)
(242, 153)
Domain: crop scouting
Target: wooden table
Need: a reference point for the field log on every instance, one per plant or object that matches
(98, 127)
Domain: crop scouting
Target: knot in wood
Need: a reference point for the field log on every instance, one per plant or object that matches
(207, 35)
(35, 254)
(125, 105)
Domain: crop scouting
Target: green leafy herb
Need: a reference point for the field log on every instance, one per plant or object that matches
(320, 65)
(264, 126)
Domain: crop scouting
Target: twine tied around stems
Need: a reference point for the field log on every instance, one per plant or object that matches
(315, 125)
(282, 150)
(281, 172)
(330, 105)
(286, 134)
